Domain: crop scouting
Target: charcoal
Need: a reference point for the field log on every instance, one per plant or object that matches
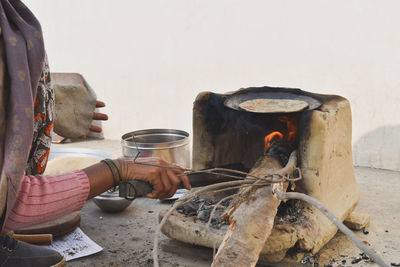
(291, 212)
(190, 208)
(310, 260)
(356, 260)
(201, 208)
(307, 260)
(204, 215)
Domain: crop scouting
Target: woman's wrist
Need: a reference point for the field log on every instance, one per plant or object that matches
(100, 179)
(115, 172)
(124, 170)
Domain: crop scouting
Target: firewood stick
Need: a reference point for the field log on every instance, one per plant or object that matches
(253, 220)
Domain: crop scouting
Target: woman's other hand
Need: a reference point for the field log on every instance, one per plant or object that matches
(164, 177)
(98, 117)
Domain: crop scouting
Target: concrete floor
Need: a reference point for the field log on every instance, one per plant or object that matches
(127, 237)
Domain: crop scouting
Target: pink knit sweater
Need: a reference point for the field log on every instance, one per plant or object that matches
(44, 198)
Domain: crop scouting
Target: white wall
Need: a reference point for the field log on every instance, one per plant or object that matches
(149, 59)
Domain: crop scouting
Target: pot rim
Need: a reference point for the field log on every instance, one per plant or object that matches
(183, 139)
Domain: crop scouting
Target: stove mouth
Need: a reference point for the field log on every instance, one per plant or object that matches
(234, 101)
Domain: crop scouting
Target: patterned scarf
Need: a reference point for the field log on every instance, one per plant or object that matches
(42, 125)
(24, 61)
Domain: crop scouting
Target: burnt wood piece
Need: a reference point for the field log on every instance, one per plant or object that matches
(281, 151)
(253, 219)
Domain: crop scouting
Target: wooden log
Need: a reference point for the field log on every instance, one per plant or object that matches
(253, 219)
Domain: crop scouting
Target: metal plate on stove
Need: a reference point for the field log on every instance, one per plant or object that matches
(233, 101)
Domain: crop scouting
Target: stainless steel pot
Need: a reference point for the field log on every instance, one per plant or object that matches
(167, 144)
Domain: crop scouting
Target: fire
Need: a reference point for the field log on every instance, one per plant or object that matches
(292, 125)
(271, 139)
(290, 137)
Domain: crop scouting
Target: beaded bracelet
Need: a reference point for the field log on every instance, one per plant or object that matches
(106, 161)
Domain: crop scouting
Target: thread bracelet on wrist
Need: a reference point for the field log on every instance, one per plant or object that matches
(116, 166)
(112, 172)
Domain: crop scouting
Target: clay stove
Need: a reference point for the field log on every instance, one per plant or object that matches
(224, 135)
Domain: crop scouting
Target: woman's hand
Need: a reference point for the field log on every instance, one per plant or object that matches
(97, 116)
(165, 179)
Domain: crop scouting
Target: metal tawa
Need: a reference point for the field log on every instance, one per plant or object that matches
(294, 100)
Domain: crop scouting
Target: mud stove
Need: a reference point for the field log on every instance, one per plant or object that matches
(226, 134)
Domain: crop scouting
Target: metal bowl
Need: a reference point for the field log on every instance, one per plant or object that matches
(168, 144)
(111, 202)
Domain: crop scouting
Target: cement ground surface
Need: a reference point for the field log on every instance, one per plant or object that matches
(127, 237)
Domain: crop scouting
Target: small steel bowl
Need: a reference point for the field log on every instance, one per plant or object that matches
(111, 202)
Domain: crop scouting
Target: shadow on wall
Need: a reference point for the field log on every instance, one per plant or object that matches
(379, 148)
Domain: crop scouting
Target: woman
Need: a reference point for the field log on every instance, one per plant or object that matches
(26, 106)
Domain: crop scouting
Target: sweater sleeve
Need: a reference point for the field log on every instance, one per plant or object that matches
(42, 199)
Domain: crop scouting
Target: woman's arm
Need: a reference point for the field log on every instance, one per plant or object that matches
(43, 198)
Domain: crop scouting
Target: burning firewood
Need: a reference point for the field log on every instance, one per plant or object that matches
(277, 190)
(253, 217)
(252, 213)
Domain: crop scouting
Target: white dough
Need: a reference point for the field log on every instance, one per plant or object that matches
(67, 164)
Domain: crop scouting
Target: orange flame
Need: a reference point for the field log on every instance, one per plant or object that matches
(290, 137)
(292, 125)
(271, 139)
